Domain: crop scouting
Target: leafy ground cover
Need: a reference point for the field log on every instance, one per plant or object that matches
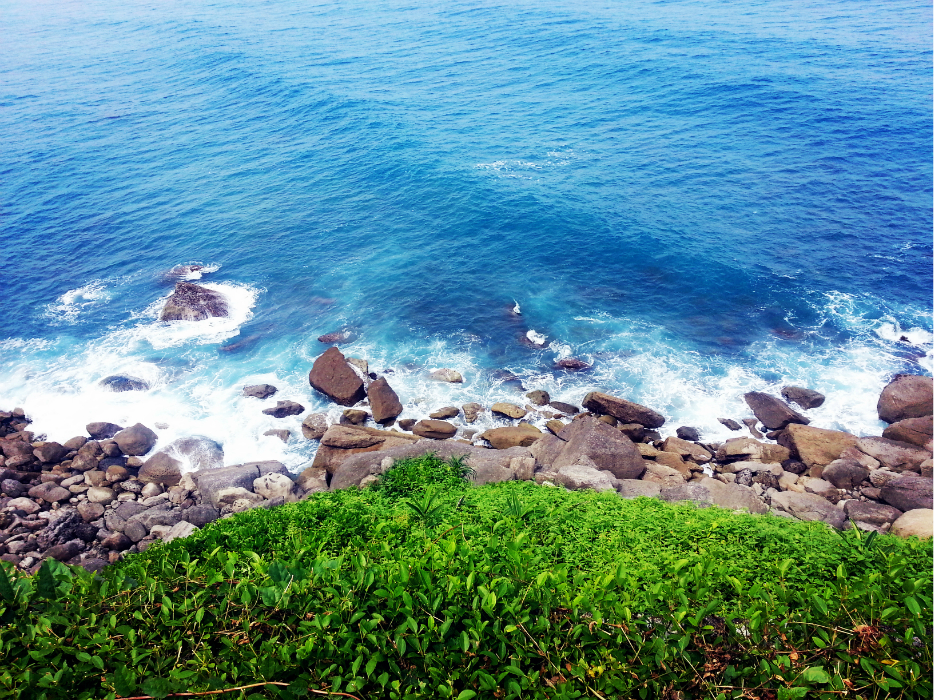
(424, 586)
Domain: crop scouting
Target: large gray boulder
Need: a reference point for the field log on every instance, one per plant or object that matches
(271, 486)
(914, 431)
(906, 396)
(384, 402)
(868, 515)
(845, 474)
(916, 523)
(333, 376)
(622, 410)
(636, 488)
(212, 481)
(909, 492)
(192, 302)
(136, 440)
(805, 398)
(161, 468)
(897, 456)
(604, 445)
(773, 413)
(809, 506)
(585, 476)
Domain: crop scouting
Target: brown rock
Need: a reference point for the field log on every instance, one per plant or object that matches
(161, 469)
(730, 423)
(284, 409)
(408, 423)
(845, 474)
(906, 492)
(623, 410)
(102, 431)
(384, 402)
(605, 446)
(817, 446)
(538, 397)
(555, 426)
(192, 302)
(773, 413)
(50, 492)
(259, 391)
(135, 440)
(917, 523)
(348, 437)
(522, 435)
(870, 513)
(354, 416)
(434, 429)
(565, 408)
(572, 364)
(336, 379)
(510, 410)
(685, 448)
(906, 396)
(805, 398)
(471, 411)
(49, 452)
(915, 431)
(897, 456)
(673, 461)
(314, 426)
(443, 413)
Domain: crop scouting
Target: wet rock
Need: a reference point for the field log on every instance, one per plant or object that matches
(434, 429)
(192, 302)
(817, 446)
(906, 396)
(136, 440)
(897, 456)
(102, 431)
(471, 411)
(916, 523)
(512, 436)
(408, 423)
(13, 488)
(915, 431)
(621, 409)
(845, 474)
(314, 426)
(443, 413)
(538, 397)
(259, 391)
(821, 488)
(908, 492)
(284, 409)
(509, 410)
(805, 398)
(555, 426)
(730, 423)
(447, 375)
(281, 434)
(336, 379)
(565, 408)
(773, 413)
(572, 364)
(344, 335)
(120, 382)
(688, 433)
(384, 402)
(808, 506)
(162, 469)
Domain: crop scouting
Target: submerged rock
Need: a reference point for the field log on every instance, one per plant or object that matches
(572, 364)
(451, 376)
(119, 382)
(192, 302)
(284, 409)
(805, 398)
(259, 391)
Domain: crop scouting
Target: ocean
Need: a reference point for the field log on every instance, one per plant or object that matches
(698, 198)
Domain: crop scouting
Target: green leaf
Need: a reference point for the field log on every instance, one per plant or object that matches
(816, 674)
(912, 604)
(157, 687)
(466, 695)
(6, 590)
(45, 585)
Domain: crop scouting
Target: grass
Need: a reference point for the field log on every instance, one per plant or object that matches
(424, 586)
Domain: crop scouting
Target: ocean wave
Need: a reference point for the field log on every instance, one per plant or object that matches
(69, 306)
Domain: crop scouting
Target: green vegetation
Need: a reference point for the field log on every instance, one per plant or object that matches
(424, 586)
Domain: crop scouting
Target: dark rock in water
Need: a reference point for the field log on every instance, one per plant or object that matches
(335, 378)
(751, 423)
(774, 413)
(538, 397)
(446, 412)
(102, 431)
(407, 423)
(281, 434)
(192, 302)
(687, 433)
(565, 408)
(572, 364)
(384, 402)
(183, 271)
(119, 382)
(354, 416)
(136, 440)
(259, 391)
(906, 396)
(241, 344)
(623, 410)
(730, 423)
(337, 337)
(434, 429)
(284, 409)
(805, 398)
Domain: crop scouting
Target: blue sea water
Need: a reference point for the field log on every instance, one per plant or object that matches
(701, 198)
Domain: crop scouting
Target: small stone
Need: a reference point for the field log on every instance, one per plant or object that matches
(284, 409)
(434, 429)
(510, 410)
(101, 494)
(314, 426)
(282, 434)
(446, 412)
(447, 375)
(730, 423)
(259, 391)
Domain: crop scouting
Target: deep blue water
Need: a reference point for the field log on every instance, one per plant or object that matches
(701, 198)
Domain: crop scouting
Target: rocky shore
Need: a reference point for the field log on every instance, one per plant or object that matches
(96, 497)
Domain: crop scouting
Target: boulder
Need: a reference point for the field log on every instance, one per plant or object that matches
(746, 448)
(914, 431)
(314, 426)
(119, 382)
(151, 517)
(384, 402)
(510, 410)
(906, 396)
(50, 492)
(572, 364)
(845, 474)
(434, 429)
(773, 413)
(200, 515)
(196, 452)
(874, 515)
(259, 391)
(605, 446)
(136, 440)
(282, 434)
(102, 431)
(685, 448)
(621, 409)
(897, 456)
(49, 452)
(211, 481)
(271, 486)
(162, 469)
(447, 375)
(522, 435)
(64, 552)
(575, 477)
(444, 413)
(565, 408)
(694, 492)
(730, 423)
(821, 488)
(808, 506)
(918, 523)
(117, 541)
(192, 302)
(344, 335)
(538, 397)
(687, 433)
(805, 398)
(471, 411)
(817, 446)
(335, 378)
(353, 416)
(342, 441)
(64, 525)
(27, 505)
(284, 409)
(179, 530)
(312, 480)
(555, 426)
(349, 437)
(90, 512)
(907, 492)
(101, 494)
(636, 488)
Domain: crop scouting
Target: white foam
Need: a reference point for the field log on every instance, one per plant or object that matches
(536, 338)
(70, 305)
(193, 270)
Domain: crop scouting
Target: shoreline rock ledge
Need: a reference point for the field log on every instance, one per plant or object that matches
(192, 302)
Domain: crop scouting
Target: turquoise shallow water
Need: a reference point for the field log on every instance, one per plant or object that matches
(697, 198)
